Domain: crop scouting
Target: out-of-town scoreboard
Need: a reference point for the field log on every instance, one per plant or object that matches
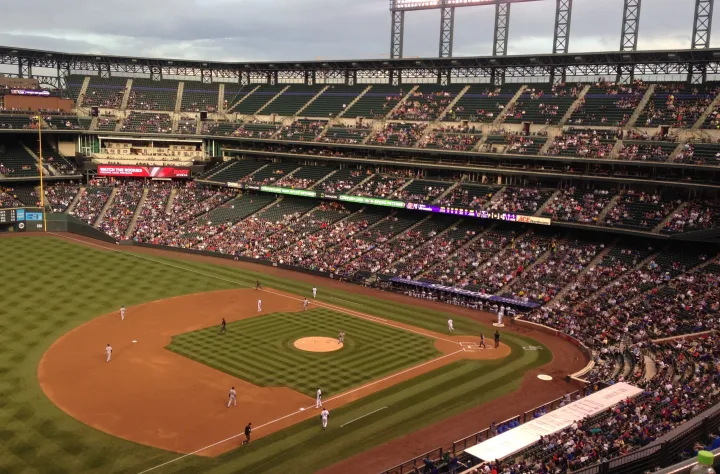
(21, 219)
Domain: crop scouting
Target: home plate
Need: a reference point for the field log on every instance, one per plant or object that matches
(544, 377)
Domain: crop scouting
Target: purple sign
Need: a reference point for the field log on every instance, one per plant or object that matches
(479, 213)
(27, 92)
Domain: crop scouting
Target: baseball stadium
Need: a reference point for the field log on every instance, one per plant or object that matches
(498, 264)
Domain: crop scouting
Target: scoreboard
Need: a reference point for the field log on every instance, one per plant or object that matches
(23, 219)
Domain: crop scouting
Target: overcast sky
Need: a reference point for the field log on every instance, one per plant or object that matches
(257, 30)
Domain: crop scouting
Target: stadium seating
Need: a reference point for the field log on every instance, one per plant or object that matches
(639, 210)
(117, 218)
(16, 122)
(427, 102)
(377, 102)
(542, 104)
(527, 201)
(305, 177)
(677, 105)
(398, 134)
(59, 196)
(583, 143)
(578, 205)
(293, 99)
(91, 203)
(342, 181)
(15, 161)
(270, 174)
(699, 154)
(74, 85)
(147, 122)
(345, 134)
(106, 124)
(333, 101)
(382, 186)
(481, 104)
(199, 97)
(472, 196)
(187, 126)
(646, 151)
(68, 122)
(234, 93)
(422, 191)
(53, 158)
(21, 195)
(220, 129)
(608, 104)
(256, 100)
(105, 92)
(147, 94)
(302, 130)
(236, 171)
(451, 138)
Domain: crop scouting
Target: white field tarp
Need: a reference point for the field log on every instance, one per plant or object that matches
(517, 439)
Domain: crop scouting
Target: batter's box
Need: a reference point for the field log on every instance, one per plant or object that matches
(473, 347)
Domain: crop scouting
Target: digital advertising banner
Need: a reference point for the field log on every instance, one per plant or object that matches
(143, 171)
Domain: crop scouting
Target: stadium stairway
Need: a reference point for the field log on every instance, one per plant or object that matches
(451, 104)
(703, 117)
(93, 124)
(171, 199)
(257, 112)
(107, 205)
(661, 224)
(447, 191)
(641, 106)
(221, 98)
(178, 97)
(175, 120)
(615, 152)
(552, 133)
(126, 95)
(593, 263)
(676, 151)
(83, 91)
(354, 101)
(547, 202)
(234, 105)
(613, 202)
(509, 106)
(307, 104)
(574, 106)
(401, 102)
(51, 171)
(75, 200)
(136, 214)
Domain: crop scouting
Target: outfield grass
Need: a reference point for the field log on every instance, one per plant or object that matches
(260, 350)
(49, 286)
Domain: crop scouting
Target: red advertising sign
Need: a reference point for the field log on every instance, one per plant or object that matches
(143, 171)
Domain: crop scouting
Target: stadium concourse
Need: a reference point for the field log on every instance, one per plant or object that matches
(335, 179)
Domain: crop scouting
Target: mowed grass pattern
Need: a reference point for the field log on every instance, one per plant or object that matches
(260, 350)
(50, 286)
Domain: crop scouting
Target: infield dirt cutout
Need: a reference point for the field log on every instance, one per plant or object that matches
(152, 396)
(318, 344)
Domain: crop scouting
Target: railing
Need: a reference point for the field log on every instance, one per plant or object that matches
(416, 463)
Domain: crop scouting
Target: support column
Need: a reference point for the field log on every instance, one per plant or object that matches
(104, 70)
(24, 67)
(206, 76)
(630, 25)
(563, 13)
(502, 24)
(447, 27)
(397, 32)
(702, 24)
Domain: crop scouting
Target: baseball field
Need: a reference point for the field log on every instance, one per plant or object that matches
(399, 384)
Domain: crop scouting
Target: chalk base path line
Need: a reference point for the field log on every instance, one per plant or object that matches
(360, 418)
(302, 410)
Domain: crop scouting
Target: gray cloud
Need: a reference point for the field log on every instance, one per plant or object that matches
(307, 29)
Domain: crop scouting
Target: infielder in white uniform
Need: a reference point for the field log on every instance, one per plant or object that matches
(324, 416)
(232, 397)
(259, 306)
(108, 353)
(450, 325)
(318, 399)
(122, 313)
(314, 292)
(305, 304)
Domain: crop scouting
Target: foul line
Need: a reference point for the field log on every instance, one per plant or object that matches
(338, 308)
(302, 410)
(356, 419)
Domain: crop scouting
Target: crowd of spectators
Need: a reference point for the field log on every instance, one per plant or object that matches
(421, 106)
(583, 143)
(398, 134)
(92, 201)
(526, 201)
(693, 216)
(60, 196)
(121, 210)
(153, 218)
(581, 206)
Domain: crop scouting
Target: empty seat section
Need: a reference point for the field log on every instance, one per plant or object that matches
(147, 94)
(15, 161)
(147, 122)
(292, 100)
(236, 171)
(60, 122)
(377, 102)
(199, 97)
(258, 99)
(105, 92)
(333, 101)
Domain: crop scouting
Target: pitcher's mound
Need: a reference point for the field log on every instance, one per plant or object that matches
(318, 344)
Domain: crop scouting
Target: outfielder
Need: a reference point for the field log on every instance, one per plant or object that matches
(324, 416)
(122, 313)
(108, 353)
(222, 327)
(450, 325)
(232, 397)
(318, 399)
(259, 306)
(314, 292)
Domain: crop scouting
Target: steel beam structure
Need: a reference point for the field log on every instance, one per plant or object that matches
(447, 27)
(397, 33)
(563, 13)
(630, 25)
(413, 5)
(502, 24)
(702, 24)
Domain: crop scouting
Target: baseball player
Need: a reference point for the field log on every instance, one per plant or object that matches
(305, 304)
(497, 339)
(257, 285)
(223, 329)
(314, 292)
(259, 306)
(232, 397)
(482, 340)
(324, 416)
(108, 353)
(122, 313)
(341, 337)
(318, 399)
(248, 430)
(450, 325)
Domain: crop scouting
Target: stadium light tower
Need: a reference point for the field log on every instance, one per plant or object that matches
(702, 24)
(447, 22)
